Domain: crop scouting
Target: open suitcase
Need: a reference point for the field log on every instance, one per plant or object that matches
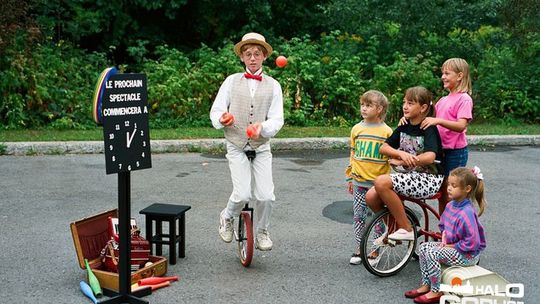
(90, 235)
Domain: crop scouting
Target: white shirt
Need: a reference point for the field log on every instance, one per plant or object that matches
(274, 120)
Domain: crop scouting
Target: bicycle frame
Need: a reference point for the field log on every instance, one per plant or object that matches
(426, 209)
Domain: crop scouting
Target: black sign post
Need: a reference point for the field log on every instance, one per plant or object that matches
(127, 148)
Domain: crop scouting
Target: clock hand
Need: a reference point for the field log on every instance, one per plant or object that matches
(130, 138)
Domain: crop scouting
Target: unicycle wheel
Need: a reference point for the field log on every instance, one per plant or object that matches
(245, 238)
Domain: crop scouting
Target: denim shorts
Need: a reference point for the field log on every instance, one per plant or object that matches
(455, 158)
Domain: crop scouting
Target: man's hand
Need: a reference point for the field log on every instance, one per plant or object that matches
(254, 131)
(226, 119)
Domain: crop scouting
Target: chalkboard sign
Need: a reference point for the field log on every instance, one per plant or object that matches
(125, 123)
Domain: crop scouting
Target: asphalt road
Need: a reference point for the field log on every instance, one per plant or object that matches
(311, 228)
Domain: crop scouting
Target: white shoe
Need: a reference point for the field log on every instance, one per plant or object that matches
(263, 241)
(355, 259)
(402, 235)
(225, 227)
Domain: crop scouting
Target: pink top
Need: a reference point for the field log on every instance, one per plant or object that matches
(453, 107)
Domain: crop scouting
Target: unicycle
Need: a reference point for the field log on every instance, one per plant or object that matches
(244, 236)
(244, 233)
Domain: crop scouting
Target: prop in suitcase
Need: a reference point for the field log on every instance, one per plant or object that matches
(140, 247)
(91, 235)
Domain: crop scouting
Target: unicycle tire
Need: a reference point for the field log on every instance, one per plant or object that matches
(245, 238)
(381, 256)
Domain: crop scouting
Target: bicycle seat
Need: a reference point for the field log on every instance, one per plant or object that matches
(436, 196)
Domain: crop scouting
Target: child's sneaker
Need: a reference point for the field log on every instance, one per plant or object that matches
(263, 241)
(355, 259)
(402, 235)
(225, 228)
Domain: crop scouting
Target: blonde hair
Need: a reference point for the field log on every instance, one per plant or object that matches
(466, 177)
(459, 65)
(377, 98)
(421, 95)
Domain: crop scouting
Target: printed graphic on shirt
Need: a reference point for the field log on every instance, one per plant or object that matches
(411, 144)
(415, 145)
(367, 149)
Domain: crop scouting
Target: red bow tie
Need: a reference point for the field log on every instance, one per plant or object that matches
(256, 77)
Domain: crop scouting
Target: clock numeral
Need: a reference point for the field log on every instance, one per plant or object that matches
(114, 158)
(135, 125)
(142, 133)
(119, 166)
(126, 123)
(144, 143)
(142, 154)
(111, 136)
(137, 163)
(110, 147)
(117, 127)
(129, 167)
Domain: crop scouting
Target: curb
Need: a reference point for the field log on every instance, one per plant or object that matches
(217, 145)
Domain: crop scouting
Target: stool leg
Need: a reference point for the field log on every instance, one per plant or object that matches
(159, 232)
(172, 241)
(149, 234)
(182, 233)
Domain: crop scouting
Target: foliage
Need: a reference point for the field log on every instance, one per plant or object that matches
(403, 73)
(116, 27)
(50, 85)
(409, 26)
(51, 53)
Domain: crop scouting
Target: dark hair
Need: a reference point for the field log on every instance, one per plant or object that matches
(421, 95)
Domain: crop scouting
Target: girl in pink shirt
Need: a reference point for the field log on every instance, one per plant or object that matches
(452, 116)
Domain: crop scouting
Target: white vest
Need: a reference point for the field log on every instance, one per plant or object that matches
(248, 110)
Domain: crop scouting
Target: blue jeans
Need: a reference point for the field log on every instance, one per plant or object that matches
(455, 158)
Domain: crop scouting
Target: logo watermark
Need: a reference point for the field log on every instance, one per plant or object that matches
(494, 291)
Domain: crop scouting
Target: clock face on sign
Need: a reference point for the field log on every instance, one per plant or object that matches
(125, 123)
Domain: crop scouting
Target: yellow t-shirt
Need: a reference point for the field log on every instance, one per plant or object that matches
(366, 163)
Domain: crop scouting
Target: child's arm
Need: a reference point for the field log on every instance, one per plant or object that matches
(456, 126)
(469, 234)
(408, 159)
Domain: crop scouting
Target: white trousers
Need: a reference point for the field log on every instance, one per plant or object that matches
(251, 177)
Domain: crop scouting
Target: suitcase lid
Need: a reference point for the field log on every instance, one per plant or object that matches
(90, 235)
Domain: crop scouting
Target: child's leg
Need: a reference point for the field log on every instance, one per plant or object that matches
(432, 255)
(384, 187)
(453, 158)
(359, 214)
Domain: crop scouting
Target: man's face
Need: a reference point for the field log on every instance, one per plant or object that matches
(253, 58)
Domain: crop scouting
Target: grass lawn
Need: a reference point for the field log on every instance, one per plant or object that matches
(191, 133)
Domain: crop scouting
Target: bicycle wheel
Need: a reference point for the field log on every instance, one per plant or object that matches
(381, 256)
(245, 239)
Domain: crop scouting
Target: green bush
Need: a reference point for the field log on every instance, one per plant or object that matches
(395, 79)
(508, 85)
(49, 85)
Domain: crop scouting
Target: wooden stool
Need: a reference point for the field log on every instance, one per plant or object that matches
(167, 213)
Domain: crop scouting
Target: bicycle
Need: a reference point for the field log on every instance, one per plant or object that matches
(384, 257)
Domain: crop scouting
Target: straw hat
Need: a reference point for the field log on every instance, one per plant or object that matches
(253, 38)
